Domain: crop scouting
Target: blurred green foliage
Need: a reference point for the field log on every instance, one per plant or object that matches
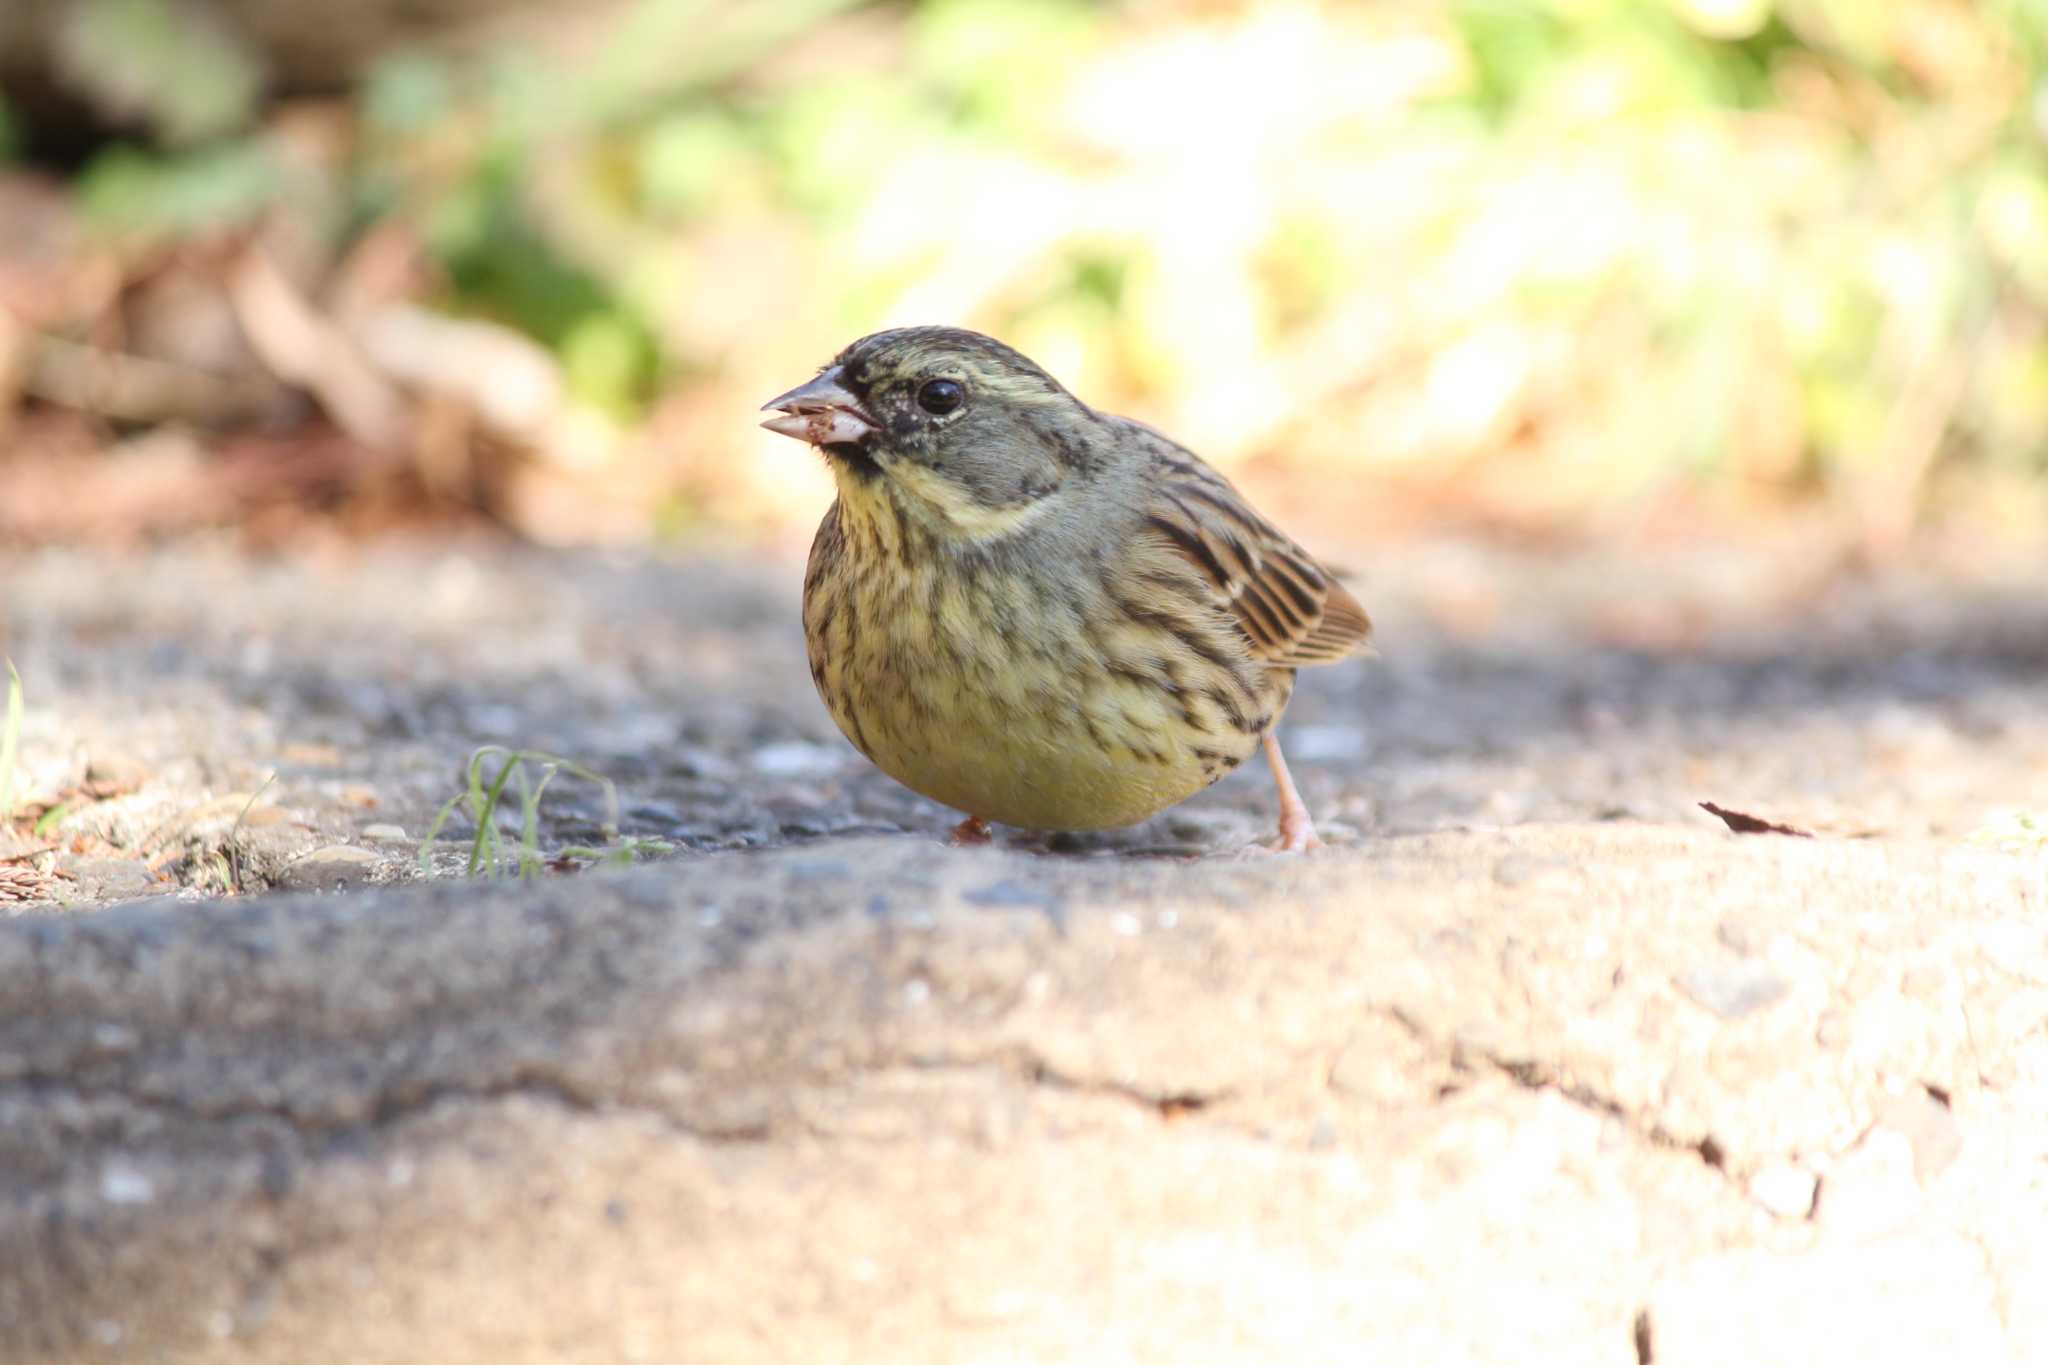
(1801, 244)
(162, 61)
(151, 197)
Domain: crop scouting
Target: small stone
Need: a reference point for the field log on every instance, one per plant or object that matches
(1926, 1123)
(108, 879)
(1367, 1070)
(796, 758)
(121, 1183)
(115, 772)
(330, 869)
(1736, 935)
(384, 834)
(113, 1040)
(1733, 988)
(1784, 1189)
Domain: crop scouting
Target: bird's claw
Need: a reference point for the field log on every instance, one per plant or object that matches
(972, 830)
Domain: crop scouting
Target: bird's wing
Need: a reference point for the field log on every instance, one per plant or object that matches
(1292, 610)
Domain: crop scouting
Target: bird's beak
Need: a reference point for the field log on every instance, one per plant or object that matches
(821, 412)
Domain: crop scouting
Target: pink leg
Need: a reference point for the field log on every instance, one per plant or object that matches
(1297, 830)
(972, 830)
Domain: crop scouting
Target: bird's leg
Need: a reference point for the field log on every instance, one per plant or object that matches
(1297, 830)
(972, 830)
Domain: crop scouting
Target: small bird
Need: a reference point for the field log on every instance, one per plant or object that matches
(1040, 614)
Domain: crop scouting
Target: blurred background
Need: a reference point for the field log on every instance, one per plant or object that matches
(1559, 269)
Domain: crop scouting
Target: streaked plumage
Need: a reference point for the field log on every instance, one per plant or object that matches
(1036, 613)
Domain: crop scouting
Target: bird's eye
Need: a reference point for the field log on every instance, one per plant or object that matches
(940, 396)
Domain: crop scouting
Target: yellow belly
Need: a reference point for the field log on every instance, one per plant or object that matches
(1057, 754)
(1017, 766)
(1064, 730)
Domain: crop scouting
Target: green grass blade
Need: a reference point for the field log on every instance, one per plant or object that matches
(47, 822)
(529, 821)
(484, 793)
(484, 803)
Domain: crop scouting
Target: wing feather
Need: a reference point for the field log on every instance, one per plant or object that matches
(1291, 609)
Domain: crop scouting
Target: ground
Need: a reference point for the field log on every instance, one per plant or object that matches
(1537, 1060)
(343, 693)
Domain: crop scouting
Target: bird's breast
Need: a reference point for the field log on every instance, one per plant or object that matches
(1017, 689)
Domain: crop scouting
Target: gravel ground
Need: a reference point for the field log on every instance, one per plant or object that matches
(210, 721)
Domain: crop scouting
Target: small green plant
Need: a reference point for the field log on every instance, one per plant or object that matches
(485, 790)
(10, 739)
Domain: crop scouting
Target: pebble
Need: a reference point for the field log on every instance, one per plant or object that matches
(121, 1183)
(329, 869)
(384, 834)
(108, 879)
(1784, 1189)
(795, 758)
(116, 770)
(1733, 988)
(1929, 1126)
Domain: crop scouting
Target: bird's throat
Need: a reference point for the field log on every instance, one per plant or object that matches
(854, 459)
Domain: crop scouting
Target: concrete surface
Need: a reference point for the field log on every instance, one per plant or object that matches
(1536, 1063)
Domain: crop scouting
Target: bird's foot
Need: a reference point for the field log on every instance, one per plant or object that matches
(1297, 833)
(1294, 837)
(1297, 830)
(972, 830)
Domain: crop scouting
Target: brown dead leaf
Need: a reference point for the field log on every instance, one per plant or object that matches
(22, 882)
(1750, 824)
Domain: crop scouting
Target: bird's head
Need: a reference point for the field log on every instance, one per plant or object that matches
(951, 426)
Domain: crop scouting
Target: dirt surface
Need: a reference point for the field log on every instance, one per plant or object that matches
(1536, 1062)
(268, 708)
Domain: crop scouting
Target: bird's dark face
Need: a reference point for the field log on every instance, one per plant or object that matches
(962, 430)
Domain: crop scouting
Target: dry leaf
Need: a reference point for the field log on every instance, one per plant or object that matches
(1749, 824)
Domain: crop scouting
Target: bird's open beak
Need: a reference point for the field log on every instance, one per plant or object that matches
(821, 412)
